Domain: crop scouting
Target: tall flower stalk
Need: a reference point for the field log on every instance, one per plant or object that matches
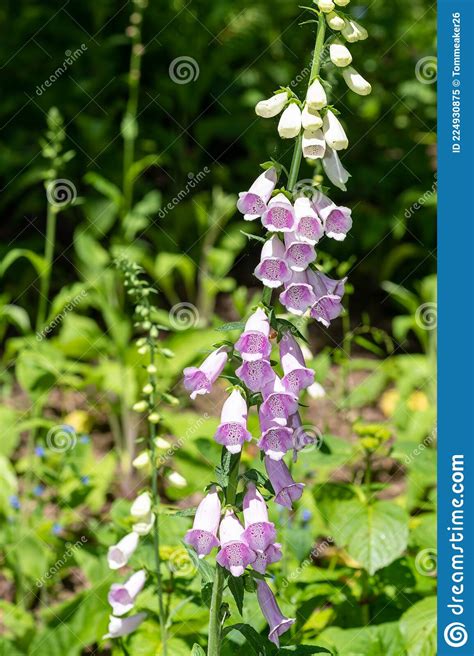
(296, 219)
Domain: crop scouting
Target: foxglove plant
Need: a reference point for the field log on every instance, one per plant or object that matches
(294, 225)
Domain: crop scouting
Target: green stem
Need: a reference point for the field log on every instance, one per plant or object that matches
(45, 280)
(315, 67)
(156, 502)
(130, 130)
(214, 643)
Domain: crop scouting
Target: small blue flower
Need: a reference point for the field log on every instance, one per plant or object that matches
(57, 528)
(38, 490)
(68, 429)
(85, 480)
(14, 502)
(307, 514)
(84, 439)
(39, 451)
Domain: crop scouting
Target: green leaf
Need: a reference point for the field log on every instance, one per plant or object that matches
(302, 650)
(9, 433)
(197, 650)
(418, 628)
(232, 325)
(204, 569)
(237, 589)
(258, 643)
(38, 262)
(374, 534)
(104, 187)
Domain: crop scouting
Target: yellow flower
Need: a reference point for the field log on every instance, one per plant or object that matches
(388, 402)
(80, 420)
(418, 401)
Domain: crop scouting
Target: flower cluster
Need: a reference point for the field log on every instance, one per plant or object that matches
(294, 230)
(122, 596)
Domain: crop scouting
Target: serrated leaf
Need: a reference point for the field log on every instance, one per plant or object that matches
(418, 628)
(259, 644)
(237, 589)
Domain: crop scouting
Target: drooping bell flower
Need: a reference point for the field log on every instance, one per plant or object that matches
(273, 270)
(232, 431)
(337, 219)
(316, 96)
(353, 31)
(123, 626)
(277, 404)
(356, 82)
(122, 595)
(333, 168)
(298, 295)
(199, 380)
(142, 513)
(328, 294)
(311, 118)
(308, 224)
(313, 144)
(279, 216)
(333, 131)
(272, 554)
(253, 203)
(203, 535)
(276, 440)
(335, 21)
(289, 125)
(340, 55)
(301, 438)
(119, 554)
(299, 254)
(235, 554)
(277, 622)
(259, 532)
(272, 106)
(286, 490)
(297, 375)
(255, 374)
(254, 342)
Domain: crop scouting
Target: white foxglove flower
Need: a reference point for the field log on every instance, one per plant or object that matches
(160, 443)
(316, 96)
(314, 145)
(311, 118)
(119, 554)
(316, 391)
(356, 82)
(341, 3)
(325, 5)
(353, 32)
(335, 21)
(119, 627)
(333, 168)
(334, 132)
(122, 595)
(339, 54)
(141, 506)
(142, 460)
(272, 106)
(289, 125)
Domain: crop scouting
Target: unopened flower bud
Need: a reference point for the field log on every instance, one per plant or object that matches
(140, 406)
(334, 132)
(177, 480)
(335, 21)
(356, 82)
(311, 118)
(353, 32)
(167, 353)
(341, 3)
(316, 96)
(143, 350)
(151, 369)
(272, 106)
(142, 460)
(148, 389)
(325, 5)
(289, 125)
(339, 54)
(154, 418)
(160, 443)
